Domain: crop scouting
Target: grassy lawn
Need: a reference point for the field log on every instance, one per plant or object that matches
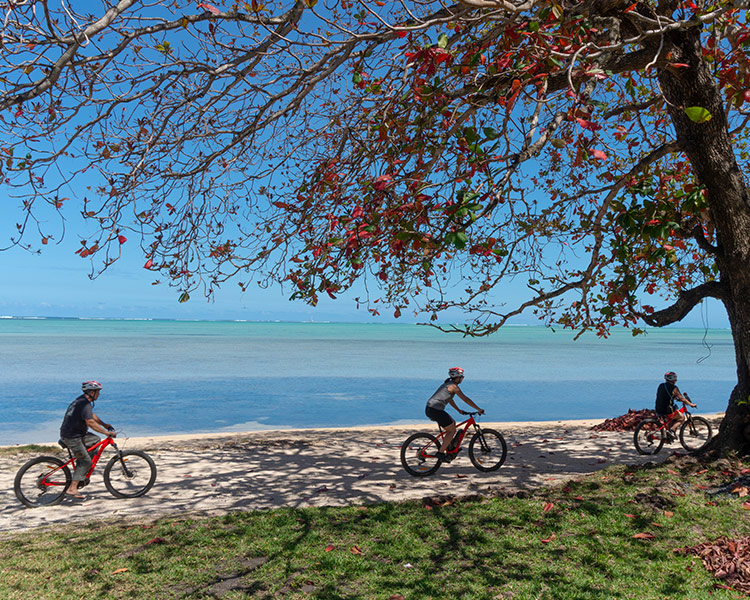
(609, 535)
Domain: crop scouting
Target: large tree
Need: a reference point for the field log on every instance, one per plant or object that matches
(593, 152)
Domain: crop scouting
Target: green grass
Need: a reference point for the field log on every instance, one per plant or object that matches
(570, 542)
(29, 449)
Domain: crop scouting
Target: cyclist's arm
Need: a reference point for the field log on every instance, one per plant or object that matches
(677, 395)
(468, 400)
(97, 424)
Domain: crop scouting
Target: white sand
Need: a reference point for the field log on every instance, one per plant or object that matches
(217, 473)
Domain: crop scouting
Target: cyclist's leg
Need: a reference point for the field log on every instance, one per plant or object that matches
(445, 421)
(91, 439)
(77, 446)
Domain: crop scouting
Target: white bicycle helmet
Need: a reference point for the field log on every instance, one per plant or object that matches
(91, 385)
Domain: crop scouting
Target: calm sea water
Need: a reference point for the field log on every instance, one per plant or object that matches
(182, 377)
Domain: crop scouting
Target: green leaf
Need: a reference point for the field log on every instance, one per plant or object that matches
(534, 26)
(698, 114)
(356, 78)
(442, 40)
(184, 297)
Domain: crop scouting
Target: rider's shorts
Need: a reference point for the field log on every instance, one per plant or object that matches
(443, 418)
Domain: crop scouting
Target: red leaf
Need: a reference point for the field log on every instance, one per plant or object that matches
(644, 536)
(356, 550)
(599, 154)
(548, 507)
(122, 239)
(149, 264)
(629, 516)
(549, 539)
(157, 540)
(330, 547)
(591, 126)
(209, 7)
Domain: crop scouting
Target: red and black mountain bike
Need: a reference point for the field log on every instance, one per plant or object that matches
(42, 481)
(487, 449)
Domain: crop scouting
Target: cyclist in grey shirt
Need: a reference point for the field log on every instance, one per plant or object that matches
(443, 396)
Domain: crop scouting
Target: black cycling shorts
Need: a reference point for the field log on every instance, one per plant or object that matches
(443, 418)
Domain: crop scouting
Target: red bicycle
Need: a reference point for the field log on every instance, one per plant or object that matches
(651, 434)
(487, 449)
(42, 481)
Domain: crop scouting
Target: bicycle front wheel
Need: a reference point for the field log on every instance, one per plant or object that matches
(487, 450)
(419, 455)
(695, 434)
(42, 481)
(648, 436)
(130, 474)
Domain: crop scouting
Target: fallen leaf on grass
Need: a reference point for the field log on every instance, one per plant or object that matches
(356, 550)
(644, 536)
(746, 505)
(459, 476)
(668, 513)
(396, 597)
(629, 516)
(548, 507)
(123, 570)
(549, 539)
(330, 547)
(740, 490)
(157, 540)
(671, 472)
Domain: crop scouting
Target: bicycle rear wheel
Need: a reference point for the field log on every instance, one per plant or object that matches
(130, 474)
(419, 455)
(648, 436)
(695, 434)
(42, 481)
(487, 450)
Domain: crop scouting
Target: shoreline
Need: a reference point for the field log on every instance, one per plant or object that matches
(155, 440)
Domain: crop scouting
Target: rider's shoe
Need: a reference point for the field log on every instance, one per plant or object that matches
(441, 456)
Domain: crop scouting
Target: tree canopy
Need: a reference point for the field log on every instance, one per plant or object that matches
(594, 152)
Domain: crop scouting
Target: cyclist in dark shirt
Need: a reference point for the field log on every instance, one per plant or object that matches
(666, 394)
(74, 432)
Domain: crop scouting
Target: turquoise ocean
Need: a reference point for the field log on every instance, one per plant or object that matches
(167, 377)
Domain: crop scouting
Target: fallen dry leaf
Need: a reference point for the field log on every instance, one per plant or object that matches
(122, 570)
(548, 507)
(549, 539)
(644, 536)
(330, 547)
(356, 550)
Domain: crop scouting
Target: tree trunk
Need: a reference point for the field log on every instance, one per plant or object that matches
(709, 148)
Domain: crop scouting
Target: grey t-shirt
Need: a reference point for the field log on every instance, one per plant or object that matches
(74, 421)
(439, 400)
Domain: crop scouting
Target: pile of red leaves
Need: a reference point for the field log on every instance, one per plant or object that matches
(727, 559)
(626, 422)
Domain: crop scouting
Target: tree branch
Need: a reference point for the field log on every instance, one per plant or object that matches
(686, 301)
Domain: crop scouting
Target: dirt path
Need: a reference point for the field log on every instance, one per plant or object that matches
(220, 473)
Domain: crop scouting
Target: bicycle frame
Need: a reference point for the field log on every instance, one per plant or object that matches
(669, 420)
(461, 429)
(107, 441)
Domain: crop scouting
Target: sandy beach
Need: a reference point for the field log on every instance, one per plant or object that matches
(212, 474)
